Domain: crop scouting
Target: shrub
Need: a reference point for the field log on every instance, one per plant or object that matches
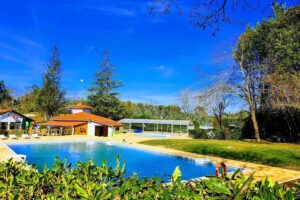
(117, 132)
(18, 133)
(88, 181)
(198, 134)
(3, 132)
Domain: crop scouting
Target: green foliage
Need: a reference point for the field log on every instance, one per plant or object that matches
(285, 38)
(5, 95)
(151, 111)
(103, 97)
(118, 132)
(198, 134)
(234, 133)
(28, 102)
(280, 155)
(270, 57)
(88, 181)
(51, 99)
(18, 133)
(107, 106)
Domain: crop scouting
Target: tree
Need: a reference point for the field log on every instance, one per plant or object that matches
(246, 78)
(51, 99)
(186, 101)
(284, 85)
(284, 92)
(285, 53)
(210, 13)
(5, 95)
(29, 102)
(151, 111)
(267, 64)
(103, 96)
(215, 100)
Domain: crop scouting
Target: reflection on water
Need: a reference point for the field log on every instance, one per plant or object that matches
(202, 161)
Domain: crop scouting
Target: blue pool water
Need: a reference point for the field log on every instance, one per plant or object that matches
(145, 163)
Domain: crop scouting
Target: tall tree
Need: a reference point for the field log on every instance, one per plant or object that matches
(284, 49)
(284, 85)
(247, 76)
(5, 95)
(51, 100)
(215, 100)
(103, 96)
(267, 61)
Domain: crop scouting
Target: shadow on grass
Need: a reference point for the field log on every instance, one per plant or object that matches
(249, 156)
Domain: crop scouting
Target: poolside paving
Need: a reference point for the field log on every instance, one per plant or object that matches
(260, 171)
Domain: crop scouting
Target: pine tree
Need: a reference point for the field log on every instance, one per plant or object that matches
(103, 97)
(51, 98)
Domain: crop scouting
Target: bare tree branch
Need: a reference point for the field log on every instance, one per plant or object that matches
(212, 13)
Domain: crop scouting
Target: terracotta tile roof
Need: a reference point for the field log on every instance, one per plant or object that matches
(80, 106)
(5, 110)
(86, 117)
(62, 123)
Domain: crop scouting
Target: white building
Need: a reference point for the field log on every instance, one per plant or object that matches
(79, 108)
(84, 123)
(12, 120)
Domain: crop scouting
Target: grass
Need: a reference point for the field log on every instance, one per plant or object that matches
(273, 154)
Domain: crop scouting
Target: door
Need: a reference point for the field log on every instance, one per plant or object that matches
(99, 131)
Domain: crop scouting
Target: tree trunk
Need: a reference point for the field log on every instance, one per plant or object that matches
(46, 117)
(252, 108)
(251, 102)
(255, 125)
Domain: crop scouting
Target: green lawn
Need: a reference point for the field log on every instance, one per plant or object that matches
(274, 154)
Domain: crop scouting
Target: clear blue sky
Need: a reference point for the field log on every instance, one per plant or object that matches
(155, 56)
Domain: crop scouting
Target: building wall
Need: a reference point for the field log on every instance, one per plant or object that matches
(91, 128)
(9, 118)
(81, 130)
(107, 131)
(78, 110)
(110, 131)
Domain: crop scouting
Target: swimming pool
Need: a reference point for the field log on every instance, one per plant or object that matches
(144, 162)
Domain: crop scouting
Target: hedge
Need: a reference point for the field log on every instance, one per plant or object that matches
(87, 181)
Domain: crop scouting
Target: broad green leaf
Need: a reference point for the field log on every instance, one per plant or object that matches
(80, 191)
(216, 186)
(166, 195)
(125, 186)
(176, 177)
(289, 195)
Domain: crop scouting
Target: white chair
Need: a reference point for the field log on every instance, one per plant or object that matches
(25, 136)
(12, 136)
(35, 135)
(3, 137)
